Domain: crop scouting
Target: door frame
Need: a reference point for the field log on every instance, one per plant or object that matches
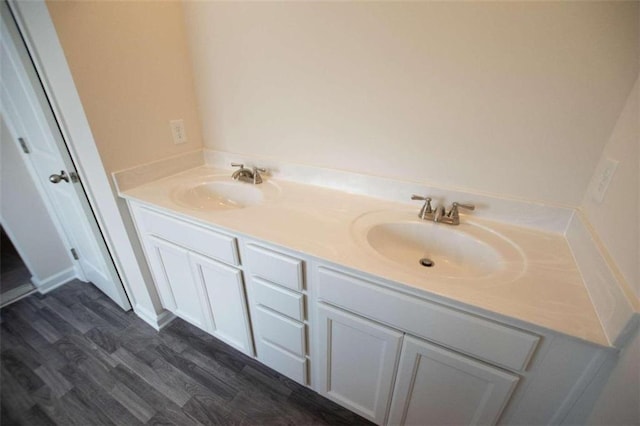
(39, 34)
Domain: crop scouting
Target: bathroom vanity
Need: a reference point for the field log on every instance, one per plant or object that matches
(326, 288)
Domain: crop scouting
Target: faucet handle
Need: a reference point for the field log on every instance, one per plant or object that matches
(426, 211)
(237, 165)
(462, 205)
(256, 174)
(453, 213)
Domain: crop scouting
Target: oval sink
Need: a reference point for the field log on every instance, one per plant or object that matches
(222, 193)
(466, 251)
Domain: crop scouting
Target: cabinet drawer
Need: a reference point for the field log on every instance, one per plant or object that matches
(278, 298)
(280, 331)
(275, 267)
(197, 238)
(283, 362)
(484, 339)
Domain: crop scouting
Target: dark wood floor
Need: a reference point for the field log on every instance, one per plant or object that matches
(73, 357)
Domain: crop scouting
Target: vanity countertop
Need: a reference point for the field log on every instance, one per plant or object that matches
(548, 291)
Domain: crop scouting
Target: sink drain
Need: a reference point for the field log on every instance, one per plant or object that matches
(426, 262)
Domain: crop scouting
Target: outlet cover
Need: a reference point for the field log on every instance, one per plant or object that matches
(603, 177)
(178, 132)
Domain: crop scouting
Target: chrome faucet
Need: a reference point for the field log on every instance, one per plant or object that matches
(440, 214)
(248, 175)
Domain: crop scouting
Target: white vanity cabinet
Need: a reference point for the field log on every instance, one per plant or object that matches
(387, 351)
(358, 365)
(277, 303)
(438, 386)
(395, 359)
(356, 361)
(196, 275)
(171, 269)
(223, 296)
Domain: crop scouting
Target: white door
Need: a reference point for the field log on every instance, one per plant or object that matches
(436, 386)
(358, 362)
(27, 112)
(225, 303)
(172, 274)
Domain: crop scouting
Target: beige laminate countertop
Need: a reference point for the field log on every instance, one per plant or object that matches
(545, 288)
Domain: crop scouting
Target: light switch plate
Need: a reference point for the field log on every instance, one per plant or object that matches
(603, 177)
(178, 132)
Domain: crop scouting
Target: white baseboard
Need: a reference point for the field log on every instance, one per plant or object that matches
(50, 283)
(164, 319)
(157, 321)
(16, 294)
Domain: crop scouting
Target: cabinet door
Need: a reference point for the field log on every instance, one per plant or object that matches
(438, 387)
(172, 273)
(224, 300)
(358, 362)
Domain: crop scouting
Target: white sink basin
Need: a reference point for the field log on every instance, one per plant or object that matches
(222, 193)
(466, 251)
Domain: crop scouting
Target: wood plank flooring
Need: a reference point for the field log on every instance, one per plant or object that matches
(73, 357)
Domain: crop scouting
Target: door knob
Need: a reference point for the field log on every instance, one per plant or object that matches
(54, 178)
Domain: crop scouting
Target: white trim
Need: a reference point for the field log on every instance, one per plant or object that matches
(42, 42)
(149, 172)
(54, 281)
(164, 319)
(601, 279)
(16, 294)
(546, 217)
(158, 321)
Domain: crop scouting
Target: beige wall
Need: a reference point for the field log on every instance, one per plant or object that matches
(514, 98)
(130, 64)
(616, 218)
(617, 222)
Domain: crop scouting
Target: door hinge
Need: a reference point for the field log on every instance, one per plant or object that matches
(23, 145)
(74, 253)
